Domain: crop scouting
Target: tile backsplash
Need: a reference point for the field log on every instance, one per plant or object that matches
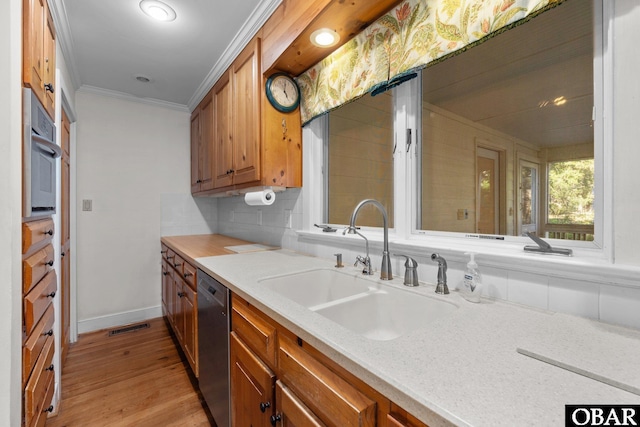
(183, 214)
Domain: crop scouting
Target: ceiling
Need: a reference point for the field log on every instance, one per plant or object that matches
(533, 82)
(106, 44)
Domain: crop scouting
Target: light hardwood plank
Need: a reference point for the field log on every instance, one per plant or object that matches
(133, 379)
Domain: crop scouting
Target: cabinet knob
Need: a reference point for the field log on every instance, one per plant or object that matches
(264, 406)
(49, 263)
(48, 87)
(181, 294)
(62, 255)
(187, 275)
(199, 181)
(177, 264)
(51, 295)
(163, 252)
(49, 409)
(49, 332)
(164, 273)
(275, 419)
(49, 232)
(50, 368)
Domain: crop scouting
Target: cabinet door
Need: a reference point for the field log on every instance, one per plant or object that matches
(195, 151)
(246, 114)
(49, 67)
(252, 387)
(222, 105)
(206, 144)
(178, 315)
(33, 45)
(190, 312)
(166, 288)
(291, 412)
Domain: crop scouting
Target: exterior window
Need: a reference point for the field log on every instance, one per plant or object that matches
(360, 160)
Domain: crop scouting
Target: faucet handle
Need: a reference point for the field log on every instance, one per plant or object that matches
(410, 272)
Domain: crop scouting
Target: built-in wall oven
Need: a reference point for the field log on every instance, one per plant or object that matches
(39, 158)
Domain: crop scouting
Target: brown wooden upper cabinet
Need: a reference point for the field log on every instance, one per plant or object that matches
(250, 143)
(39, 52)
(202, 146)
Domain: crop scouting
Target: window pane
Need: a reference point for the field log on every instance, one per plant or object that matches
(571, 192)
(525, 93)
(360, 159)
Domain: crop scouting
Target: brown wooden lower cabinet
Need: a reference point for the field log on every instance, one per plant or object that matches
(252, 387)
(180, 304)
(311, 389)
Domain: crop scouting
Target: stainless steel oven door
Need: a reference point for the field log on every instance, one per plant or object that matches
(40, 154)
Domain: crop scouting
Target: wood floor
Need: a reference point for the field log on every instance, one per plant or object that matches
(132, 379)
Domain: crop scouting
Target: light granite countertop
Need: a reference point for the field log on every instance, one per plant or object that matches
(487, 364)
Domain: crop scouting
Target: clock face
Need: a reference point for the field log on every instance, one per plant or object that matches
(283, 92)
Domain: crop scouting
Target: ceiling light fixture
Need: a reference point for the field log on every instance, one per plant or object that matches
(142, 78)
(325, 37)
(158, 10)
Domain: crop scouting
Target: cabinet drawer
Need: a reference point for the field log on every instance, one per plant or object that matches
(291, 411)
(170, 256)
(334, 401)
(35, 232)
(36, 389)
(178, 263)
(36, 341)
(258, 333)
(164, 251)
(40, 418)
(189, 274)
(38, 299)
(36, 266)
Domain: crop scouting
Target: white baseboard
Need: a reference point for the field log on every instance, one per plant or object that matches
(118, 319)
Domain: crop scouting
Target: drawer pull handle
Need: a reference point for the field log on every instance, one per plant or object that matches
(264, 406)
(177, 264)
(181, 294)
(49, 332)
(49, 409)
(275, 419)
(62, 254)
(50, 368)
(51, 295)
(187, 275)
(164, 273)
(163, 252)
(49, 263)
(49, 232)
(170, 256)
(48, 87)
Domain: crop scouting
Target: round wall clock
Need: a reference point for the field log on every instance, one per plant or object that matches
(282, 92)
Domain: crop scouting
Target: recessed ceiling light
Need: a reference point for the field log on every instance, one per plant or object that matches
(325, 37)
(158, 10)
(142, 78)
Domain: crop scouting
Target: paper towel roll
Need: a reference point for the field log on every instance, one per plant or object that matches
(260, 198)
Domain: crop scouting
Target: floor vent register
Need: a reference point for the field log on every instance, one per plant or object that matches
(130, 328)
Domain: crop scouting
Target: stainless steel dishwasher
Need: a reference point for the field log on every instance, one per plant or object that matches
(213, 345)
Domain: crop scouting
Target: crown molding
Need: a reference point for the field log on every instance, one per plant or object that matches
(249, 29)
(63, 35)
(128, 97)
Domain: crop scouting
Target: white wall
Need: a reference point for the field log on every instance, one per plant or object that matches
(10, 213)
(626, 152)
(128, 155)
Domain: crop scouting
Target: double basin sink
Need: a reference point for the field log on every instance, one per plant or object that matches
(362, 304)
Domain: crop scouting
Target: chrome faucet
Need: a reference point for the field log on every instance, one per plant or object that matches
(441, 287)
(364, 260)
(545, 248)
(385, 269)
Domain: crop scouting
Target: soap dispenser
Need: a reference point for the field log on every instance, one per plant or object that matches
(472, 282)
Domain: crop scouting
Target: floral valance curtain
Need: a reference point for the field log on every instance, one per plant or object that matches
(409, 37)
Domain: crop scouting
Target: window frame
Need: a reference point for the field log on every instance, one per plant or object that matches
(407, 186)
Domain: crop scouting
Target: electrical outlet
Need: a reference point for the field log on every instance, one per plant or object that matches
(87, 205)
